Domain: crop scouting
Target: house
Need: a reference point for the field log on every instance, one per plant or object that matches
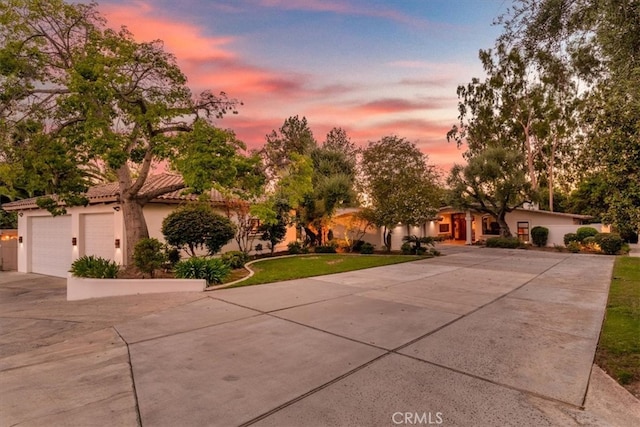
(49, 244)
(470, 226)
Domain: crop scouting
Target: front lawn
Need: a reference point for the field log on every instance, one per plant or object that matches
(297, 267)
(619, 347)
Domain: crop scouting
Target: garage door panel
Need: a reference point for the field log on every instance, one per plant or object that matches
(51, 245)
(98, 236)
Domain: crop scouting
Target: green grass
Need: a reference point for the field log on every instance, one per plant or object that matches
(297, 267)
(619, 347)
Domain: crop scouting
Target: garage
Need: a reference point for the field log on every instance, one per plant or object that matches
(50, 245)
(98, 236)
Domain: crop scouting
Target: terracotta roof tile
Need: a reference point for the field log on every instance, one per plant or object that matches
(105, 193)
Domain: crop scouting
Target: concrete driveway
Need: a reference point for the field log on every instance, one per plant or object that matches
(476, 337)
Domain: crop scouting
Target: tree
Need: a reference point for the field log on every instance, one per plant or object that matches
(274, 232)
(74, 91)
(293, 137)
(398, 184)
(492, 182)
(523, 104)
(195, 226)
(602, 41)
(244, 203)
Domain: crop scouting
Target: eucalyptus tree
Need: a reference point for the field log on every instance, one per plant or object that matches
(75, 91)
(600, 40)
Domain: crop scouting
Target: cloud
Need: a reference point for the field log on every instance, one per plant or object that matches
(347, 8)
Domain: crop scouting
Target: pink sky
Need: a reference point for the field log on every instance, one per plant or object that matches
(389, 86)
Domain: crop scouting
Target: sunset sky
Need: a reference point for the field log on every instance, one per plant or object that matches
(373, 67)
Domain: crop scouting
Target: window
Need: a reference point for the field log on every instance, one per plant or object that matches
(444, 228)
(490, 226)
(523, 231)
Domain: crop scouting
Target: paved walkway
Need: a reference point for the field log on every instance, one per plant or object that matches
(476, 337)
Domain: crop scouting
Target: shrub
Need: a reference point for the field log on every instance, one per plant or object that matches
(406, 249)
(590, 243)
(610, 243)
(235, 259)
(259, 248)
(295, 248)
(503, 242)
(570, 237)
(357, 245)
(172, 256)
(94, 267)
(325, 249)
(416, 243)
(558, 248)
(148, 255)
(196, 226)
(434, 252)
(366, 248)
(584, 232)
(213, 270)
(573, 246)
(539, 236)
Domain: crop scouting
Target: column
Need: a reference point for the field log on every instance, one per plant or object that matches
(469, 219)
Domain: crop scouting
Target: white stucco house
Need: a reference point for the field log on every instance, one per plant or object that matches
(469, 226)
(49, 244)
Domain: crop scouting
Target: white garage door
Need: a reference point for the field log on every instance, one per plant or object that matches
(51, 245)
(98, 239)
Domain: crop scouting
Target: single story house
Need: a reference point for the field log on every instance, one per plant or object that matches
(49, 244)
(469, 226)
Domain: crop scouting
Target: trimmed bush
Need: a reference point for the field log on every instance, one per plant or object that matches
(94, 267)
(172, 256)
(357, 245)
(610, 243)
(570, 237)
(366, 248)
(295, 248)
(149, 255)
(539, 236)
(195, 226)
(574, 246)
(213, 270)
(235, 259)
(325, 249)
(406, 249)
(590, 243)
(584, 232)
(503, 242)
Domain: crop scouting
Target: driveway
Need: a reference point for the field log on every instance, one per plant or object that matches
(476, 337)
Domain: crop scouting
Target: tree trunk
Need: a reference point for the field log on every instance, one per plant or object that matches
(135, 226)
(387, 238)
(504, 227)
(552, 159)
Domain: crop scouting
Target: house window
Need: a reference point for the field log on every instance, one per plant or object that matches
(444, 228)
(523, 231)
(490, 226)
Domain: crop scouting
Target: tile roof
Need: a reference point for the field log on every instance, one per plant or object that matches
(107, 193)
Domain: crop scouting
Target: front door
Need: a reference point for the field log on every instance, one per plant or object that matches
(459, 227)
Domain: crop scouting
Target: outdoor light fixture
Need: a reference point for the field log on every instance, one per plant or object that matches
(116, 208)
(117, 243)
(21, 213)
(19, 239)
(74, 241)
